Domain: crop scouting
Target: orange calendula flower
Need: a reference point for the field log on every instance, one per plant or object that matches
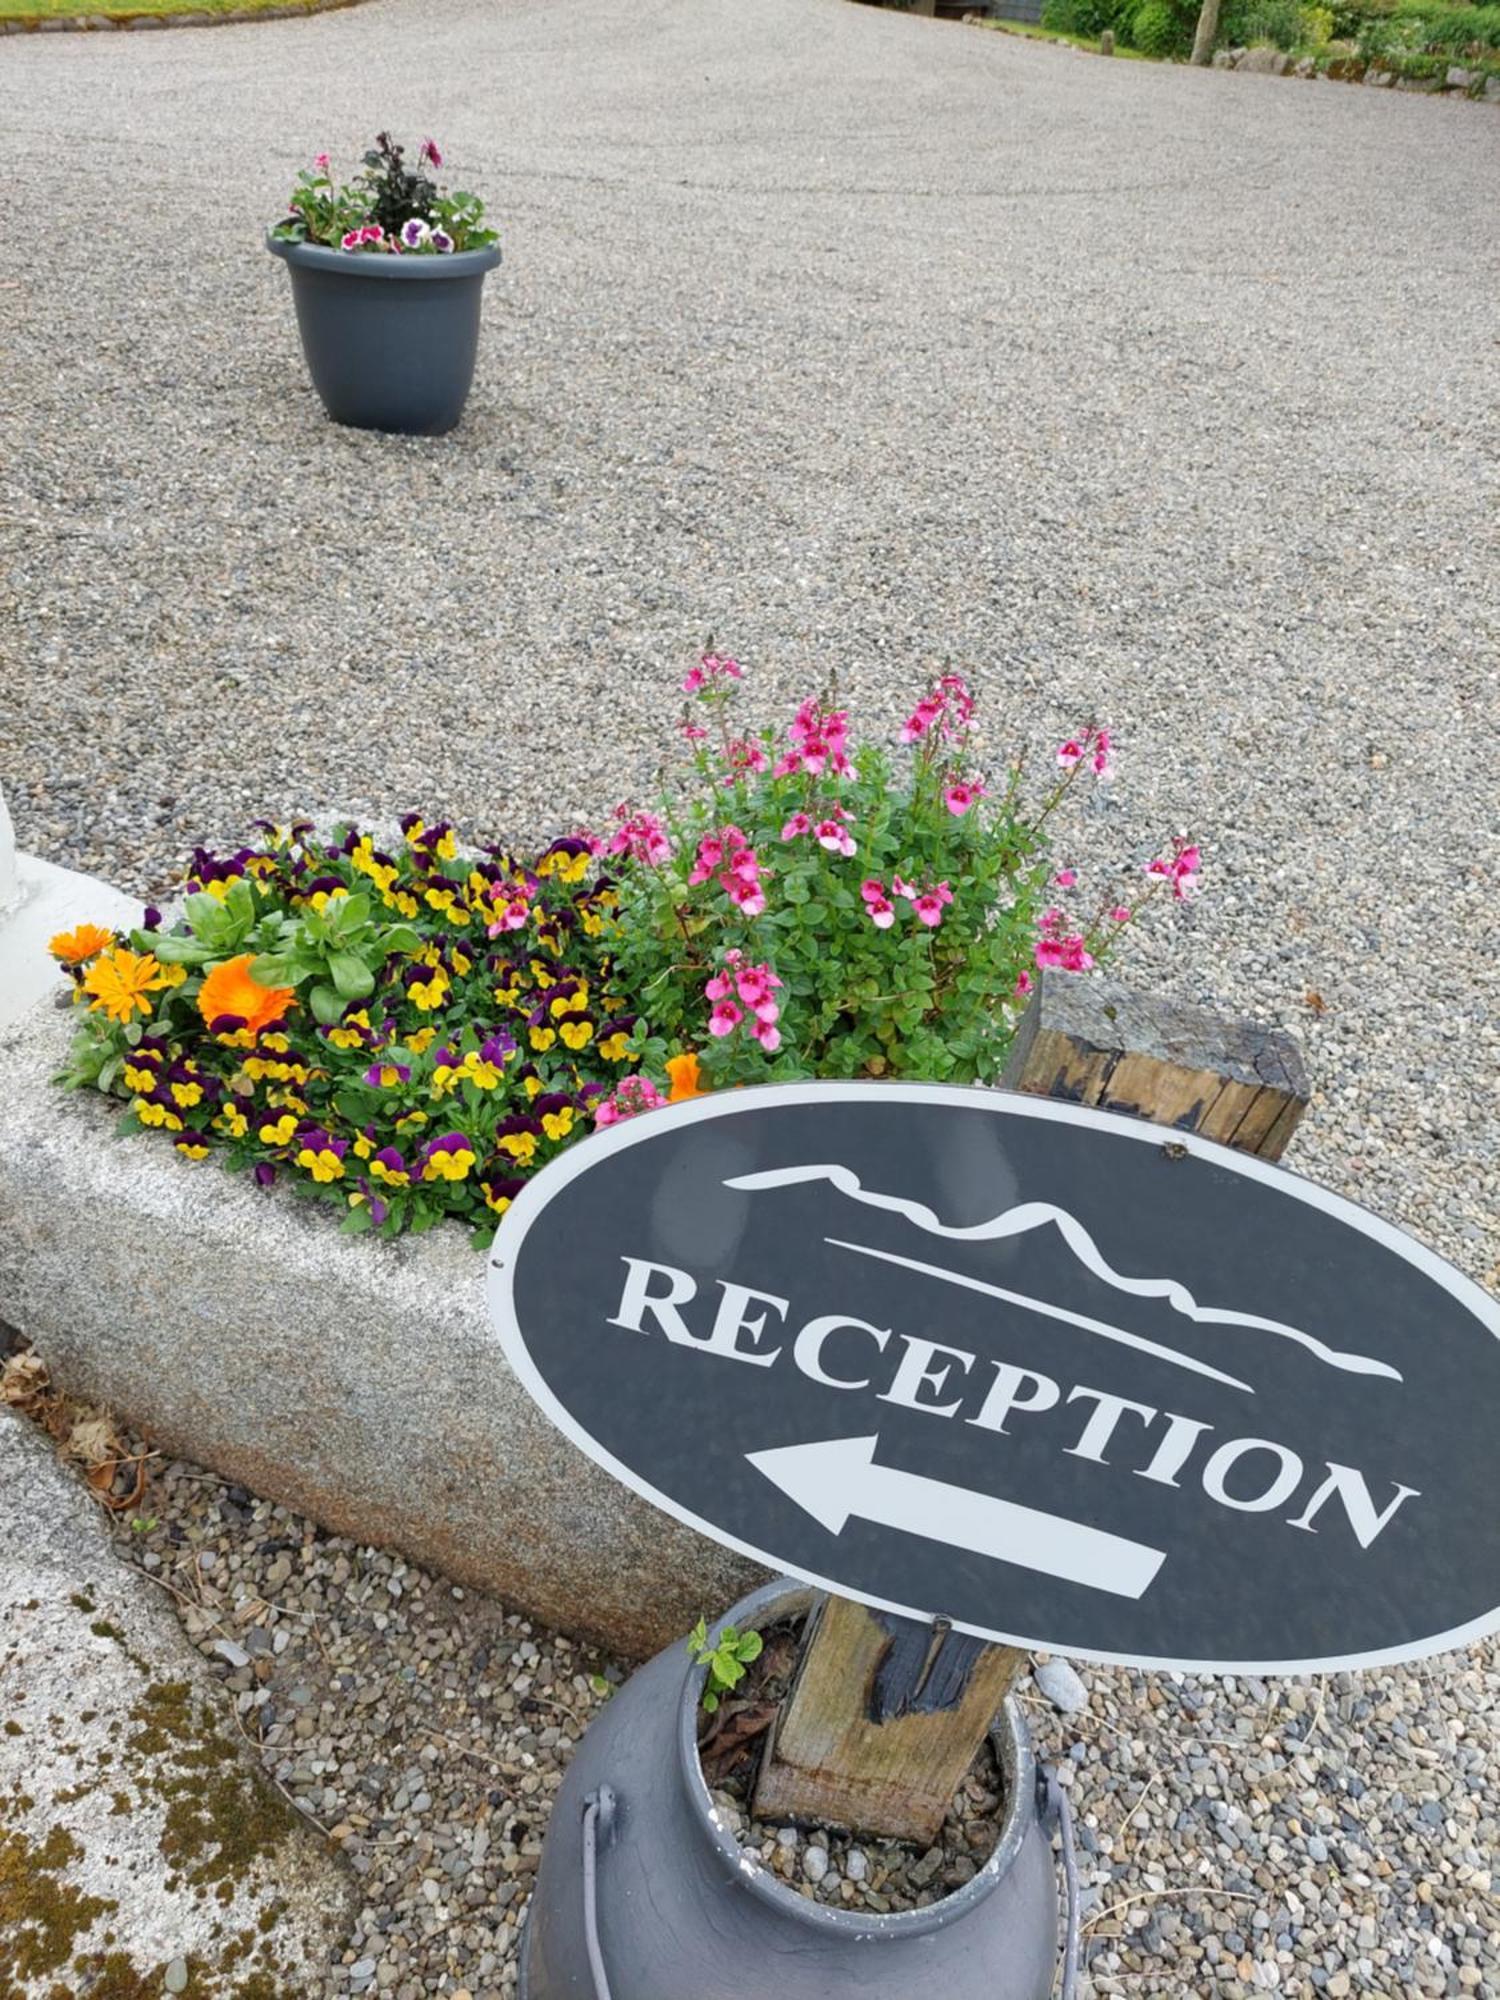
(77, 947)
(682, 1073)
(229, 992)
(119, 982)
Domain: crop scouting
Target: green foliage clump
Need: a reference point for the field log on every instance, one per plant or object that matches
(1089, 18)
(1277, 22)
(1156, 29)
(1417, 30)
(726, 1658)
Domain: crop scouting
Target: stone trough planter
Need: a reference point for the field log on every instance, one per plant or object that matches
(358, 1382)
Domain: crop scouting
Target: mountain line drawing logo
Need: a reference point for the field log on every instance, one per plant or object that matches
(1027, 1216)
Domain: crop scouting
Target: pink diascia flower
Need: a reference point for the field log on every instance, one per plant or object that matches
(429, 154)
(742, 994)
(928, 905)
(1065, 878)
(322, 162)
(709, 669)
(819, 742)
(1095, 744)
(511, 912)
(642, 835)
(1023, 983)
(1180, 868)
(742, 754)
(833, 836)
(725, 1018)
(635, 1094)
(878, 906)
(1120, 914)
(796, 826)
(1066, 954)
(949, 708)
(712, 850)
(961, 794)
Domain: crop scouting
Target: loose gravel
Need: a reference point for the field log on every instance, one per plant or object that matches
(865, 342)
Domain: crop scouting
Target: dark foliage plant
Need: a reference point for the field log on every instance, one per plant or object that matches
(398, 193)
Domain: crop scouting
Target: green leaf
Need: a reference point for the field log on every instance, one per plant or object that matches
(180, 950)
(710, 1702)
(327, 1005)
(272, 969)
(351, 975)
(208, 917)
(346, 914)
(750, 1646)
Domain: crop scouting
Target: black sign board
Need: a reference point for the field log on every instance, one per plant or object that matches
(1066, 1379)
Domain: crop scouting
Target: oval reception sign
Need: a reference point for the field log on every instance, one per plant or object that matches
(1068, 1380)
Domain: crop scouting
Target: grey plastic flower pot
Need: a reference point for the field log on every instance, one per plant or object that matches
(390, 341)
(643, 1893)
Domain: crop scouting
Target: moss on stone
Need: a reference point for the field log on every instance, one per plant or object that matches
(219, 1819)
(41, 1916)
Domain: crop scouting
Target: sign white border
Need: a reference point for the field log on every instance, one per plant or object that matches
(546, 1186)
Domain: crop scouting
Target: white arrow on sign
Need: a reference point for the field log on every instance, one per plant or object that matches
(838, 1477)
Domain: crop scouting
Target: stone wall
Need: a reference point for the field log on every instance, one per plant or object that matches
(1453, 81)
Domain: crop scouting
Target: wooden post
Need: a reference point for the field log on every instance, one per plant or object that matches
(856, 1744)
(1093, 1042)
(885, 1715)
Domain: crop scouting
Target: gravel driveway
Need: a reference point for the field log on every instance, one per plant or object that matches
(863, 342)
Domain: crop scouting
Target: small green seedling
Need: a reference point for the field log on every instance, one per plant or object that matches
(726, 1661)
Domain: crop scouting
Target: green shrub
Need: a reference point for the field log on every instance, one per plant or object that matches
(1088, 17)
(1417, 30)
(1278, 22)
(1156, 29)
(1317, 28)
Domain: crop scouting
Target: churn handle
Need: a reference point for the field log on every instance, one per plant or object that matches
(1056, 1810)
(598, 1818)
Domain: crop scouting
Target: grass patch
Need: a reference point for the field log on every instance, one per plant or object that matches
(1034, 32)
(110, 10)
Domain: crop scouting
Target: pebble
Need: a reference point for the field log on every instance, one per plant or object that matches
(1061, 1684)
(175, 1978)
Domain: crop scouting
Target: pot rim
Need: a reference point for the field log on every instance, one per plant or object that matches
(352, 264)
(1012, 1746)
